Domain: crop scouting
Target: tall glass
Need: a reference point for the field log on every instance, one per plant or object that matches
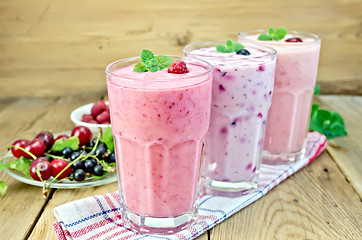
(295, 77)
(241, 98)
(159, 123)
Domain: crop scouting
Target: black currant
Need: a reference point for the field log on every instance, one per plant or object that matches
(243, 52)
(100, 150)
(79, 175)
(75, 155)
(78, 165)
(67, 151)
(111, 158)
(89, 165)
(98, 170)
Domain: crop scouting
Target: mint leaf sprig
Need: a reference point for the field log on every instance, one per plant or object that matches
(152, 63)
(229, 47)
(273, 34)
(330, 124)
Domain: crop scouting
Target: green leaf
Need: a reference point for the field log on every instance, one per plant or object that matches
(72, 142)
(238, 46)
(327, 123)
(2, 166)
(140, 67)
(317, 89)
(273, 35)
(271, 31)
(3, 188)
(146, 55)
(230, 46)
(264, 37)
(281, 32)
(108, 139)
(152, 65)
(163, 61)
(21, 164)
(221, 48)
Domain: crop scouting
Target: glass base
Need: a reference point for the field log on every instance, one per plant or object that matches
(229, 189)
(158, 225)
(278, 158)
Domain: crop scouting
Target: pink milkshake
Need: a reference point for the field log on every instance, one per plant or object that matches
(241, 97)
(295, 77)
(159, 123)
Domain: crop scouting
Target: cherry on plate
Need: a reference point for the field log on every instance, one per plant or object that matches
(19, 143)
(47, 138)
(83, 133)
(63, 137)
(36, 147)
(57, 166)
(45, 169)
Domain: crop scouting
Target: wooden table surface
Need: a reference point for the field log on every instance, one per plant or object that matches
(53, 55)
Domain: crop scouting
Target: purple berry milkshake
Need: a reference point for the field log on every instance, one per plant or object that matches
(241, 97)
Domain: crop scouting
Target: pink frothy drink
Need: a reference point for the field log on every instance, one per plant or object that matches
(159, 123)
(241, 97)
(295, 77)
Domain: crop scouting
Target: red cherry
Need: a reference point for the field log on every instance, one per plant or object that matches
(63, 137)
(57, 166)
(83, 133)
(20, 143)
(296, 39)
(47, 138)
(36, 147)
(45, 169)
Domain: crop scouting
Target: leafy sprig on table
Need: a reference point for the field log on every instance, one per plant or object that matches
(152, 63)
(229, 47)
(330, 124)
(273, 34)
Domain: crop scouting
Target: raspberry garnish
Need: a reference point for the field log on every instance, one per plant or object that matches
(296, 39)
(178, 67)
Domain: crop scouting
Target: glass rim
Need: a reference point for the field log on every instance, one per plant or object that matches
(208, 69)
(272, 52)
(243, 34)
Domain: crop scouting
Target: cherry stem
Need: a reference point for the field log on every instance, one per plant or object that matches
(27, 152)
(55, 156)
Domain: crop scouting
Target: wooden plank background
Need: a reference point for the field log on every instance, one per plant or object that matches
(49, 45)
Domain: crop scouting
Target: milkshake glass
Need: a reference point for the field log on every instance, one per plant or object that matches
(241, 97)
(295, 77)
(159, 123)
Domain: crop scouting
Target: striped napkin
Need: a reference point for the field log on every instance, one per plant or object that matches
(99, 217)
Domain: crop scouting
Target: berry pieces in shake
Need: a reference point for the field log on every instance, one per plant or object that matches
(241, 97)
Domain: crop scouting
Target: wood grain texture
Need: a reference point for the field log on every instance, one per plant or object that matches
(315, 203)
(54, 48)
(347, 151)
